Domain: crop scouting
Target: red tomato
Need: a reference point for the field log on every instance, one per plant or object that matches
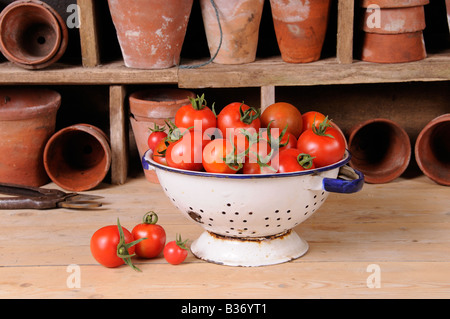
(159, 154)
(237, 116)
(112, 246)
(259, 151)
(187, 152)
(156, 135)
(219, 157)
(176, 252)
(281, 114)
(312, 118)
(191, 116)
(325, 143)
(292, 160)
(287, 139)
(155, 236)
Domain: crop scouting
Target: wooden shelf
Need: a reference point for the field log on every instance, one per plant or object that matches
(262, 72)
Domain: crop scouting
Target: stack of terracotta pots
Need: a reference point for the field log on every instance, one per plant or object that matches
(154, 106)
(393, 31)
(32, 34)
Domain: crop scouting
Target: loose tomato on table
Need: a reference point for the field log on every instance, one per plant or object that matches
(191, 116)
(176, 252)
(219, 156)
(324, 142)
(155, 236)
(292, 160)
(282, 114)
(236, 116)
(113, 246)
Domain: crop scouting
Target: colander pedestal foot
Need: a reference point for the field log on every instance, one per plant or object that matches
(249, 252)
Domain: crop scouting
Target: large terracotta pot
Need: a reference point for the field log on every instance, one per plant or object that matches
(151, 32)
(150, 107)
(78, 158)
(32, 34)
(393, 31)
(380, 148)
(300, 27)
(240, 21)
(27, 121)
(432, 150)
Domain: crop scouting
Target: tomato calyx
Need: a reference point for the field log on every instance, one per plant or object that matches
(249, 115)
(150, 218)
(322, 128)
(305, 160)
(271, 139)
(180, 243)
(157, 128)
(199, 103)
(122, 247)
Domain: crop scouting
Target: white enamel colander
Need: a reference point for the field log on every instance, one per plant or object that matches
(249, 219)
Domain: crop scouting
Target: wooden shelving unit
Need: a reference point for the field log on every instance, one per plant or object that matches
(264, 73)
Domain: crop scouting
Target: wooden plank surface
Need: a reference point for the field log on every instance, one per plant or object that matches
(265, 72)
(90, 51)
(402, 227)
(344, 49)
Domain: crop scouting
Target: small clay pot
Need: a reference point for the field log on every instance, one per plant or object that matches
(432, 150)
(380, 148)
(300, 28)
(151, 32)
(27, 121)
(78, 158)
(394, 48)
(150, 107)
(240, 21)
(447, 3)
(33, 35)
(394, 3)
(396, 20)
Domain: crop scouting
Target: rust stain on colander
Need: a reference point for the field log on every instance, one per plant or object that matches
(252, 239)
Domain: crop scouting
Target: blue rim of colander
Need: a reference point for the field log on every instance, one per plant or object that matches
(147, 162)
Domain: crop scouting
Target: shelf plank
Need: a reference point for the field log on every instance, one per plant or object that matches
(261, 73)
(88, 34)
(275, 72)
(110, 73)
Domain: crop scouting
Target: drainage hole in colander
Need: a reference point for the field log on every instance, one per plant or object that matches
(236, 213)
(277, 211)
(307, 206)
(244, 221)
(201, 211)
(267, 218)
(289, 211)
(224, 213)
(228, 204)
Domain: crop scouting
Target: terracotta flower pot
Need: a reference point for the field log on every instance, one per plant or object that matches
(27, 121)
(447, 3)
(394, 31)
(154, 106)
(33, 35)
(240, 21)
(432, 150)
(394, 48)
(394, 3)
(300, 27)
(77, 158)
(380, 148)
(395, 20)
(151, 32)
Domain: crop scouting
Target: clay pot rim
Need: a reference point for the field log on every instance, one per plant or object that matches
(436, 121)
(91, 130)
(52, 104)
(411, 14)
(43, 8)
(63, 43)
(392, 4)
(139, 105)
(377, 179)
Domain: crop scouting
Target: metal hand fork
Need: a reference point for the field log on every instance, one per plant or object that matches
(26, 197)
